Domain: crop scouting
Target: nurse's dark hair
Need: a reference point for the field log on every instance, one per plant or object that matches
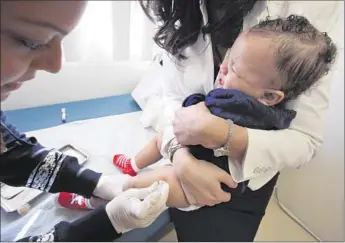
(303, 53)
(180, 22)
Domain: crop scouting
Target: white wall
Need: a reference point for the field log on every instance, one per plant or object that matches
(77, 82)
(315, 194)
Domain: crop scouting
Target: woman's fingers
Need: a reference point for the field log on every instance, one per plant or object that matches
(223, 196)
(217, 196)
(189, 123)
(227, 179)
(201, 182)
(202, 107)
(210, 196)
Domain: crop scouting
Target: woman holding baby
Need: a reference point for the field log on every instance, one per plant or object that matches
(192, 56)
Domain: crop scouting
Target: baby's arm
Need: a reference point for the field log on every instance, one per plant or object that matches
(176, 197)
(150, 154)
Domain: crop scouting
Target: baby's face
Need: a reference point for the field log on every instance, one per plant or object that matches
(250, 68)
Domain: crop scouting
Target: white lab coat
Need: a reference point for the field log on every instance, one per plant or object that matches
(163, 89)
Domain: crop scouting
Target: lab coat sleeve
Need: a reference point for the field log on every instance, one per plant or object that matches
(95, 226)
(270, 151)
(170, 83)
(164, 97)
(32, 165)
(160, 93)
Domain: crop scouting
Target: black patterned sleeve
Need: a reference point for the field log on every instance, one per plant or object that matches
(93, 227)
(25, 162)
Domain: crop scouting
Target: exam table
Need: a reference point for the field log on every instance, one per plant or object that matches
(121, 113)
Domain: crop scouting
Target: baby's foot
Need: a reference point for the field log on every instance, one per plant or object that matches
(73, 201)
(124, 164)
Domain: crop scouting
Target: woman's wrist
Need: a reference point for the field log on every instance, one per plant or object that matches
(174, 145)
(238, 143)
(216, 135)
(215, 132)
(181, 159)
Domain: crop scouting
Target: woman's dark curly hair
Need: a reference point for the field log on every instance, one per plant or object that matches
(303, 53)
(180, 22)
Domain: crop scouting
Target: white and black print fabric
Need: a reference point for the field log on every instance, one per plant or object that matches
(3, 147)
(43, 176)
(48, 237)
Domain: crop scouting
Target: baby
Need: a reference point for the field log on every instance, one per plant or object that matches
(268, 65)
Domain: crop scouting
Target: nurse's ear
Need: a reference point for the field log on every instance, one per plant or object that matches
(271, 97)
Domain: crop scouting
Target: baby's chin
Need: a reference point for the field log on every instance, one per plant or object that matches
(219, 86)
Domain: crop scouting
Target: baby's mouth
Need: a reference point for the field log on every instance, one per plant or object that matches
(220, 81)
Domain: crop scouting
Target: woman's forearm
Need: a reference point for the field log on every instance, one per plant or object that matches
(216, 135)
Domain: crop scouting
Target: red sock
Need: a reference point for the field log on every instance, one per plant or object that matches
(73, 201)
(124, 164)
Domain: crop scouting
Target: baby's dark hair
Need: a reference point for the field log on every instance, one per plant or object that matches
(303, 53)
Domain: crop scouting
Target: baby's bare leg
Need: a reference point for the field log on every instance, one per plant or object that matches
(150, 154)
(176, 198)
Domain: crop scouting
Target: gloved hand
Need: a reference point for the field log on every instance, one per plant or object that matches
(138, 208)
(110, 186)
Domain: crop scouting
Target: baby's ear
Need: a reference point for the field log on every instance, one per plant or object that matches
(271, 97)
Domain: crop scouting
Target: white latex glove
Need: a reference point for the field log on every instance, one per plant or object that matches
(110, 186)
(138, 208)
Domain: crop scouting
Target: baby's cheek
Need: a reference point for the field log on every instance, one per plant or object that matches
(229, 84)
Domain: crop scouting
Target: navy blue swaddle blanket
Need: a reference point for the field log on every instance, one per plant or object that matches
(243, 110)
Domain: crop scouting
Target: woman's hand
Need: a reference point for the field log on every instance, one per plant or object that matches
(189, 122)
(195, 125)
(201, 180)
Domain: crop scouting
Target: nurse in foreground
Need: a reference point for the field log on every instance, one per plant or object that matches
(31, 35)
